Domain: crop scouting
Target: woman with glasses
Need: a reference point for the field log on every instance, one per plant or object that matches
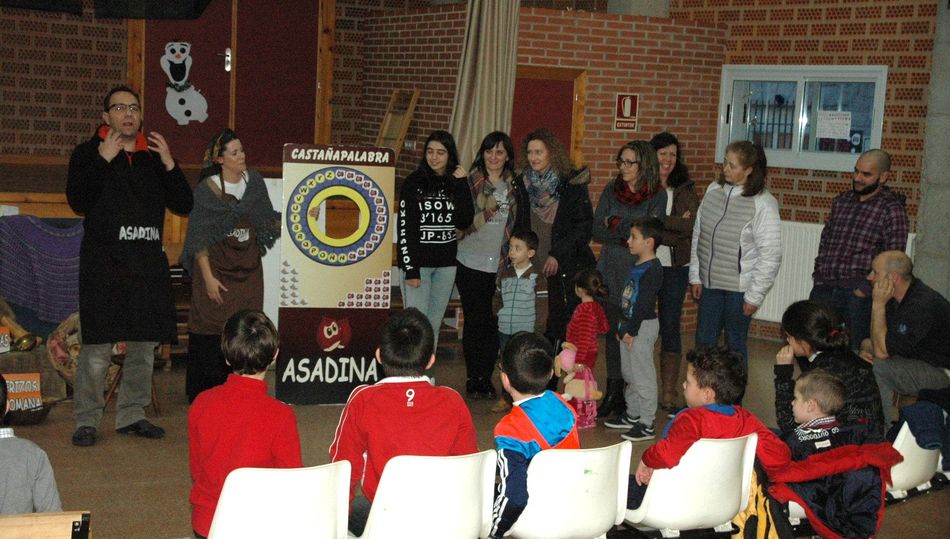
(434, 201)
(737, 248)
(635, 193)
(561, 216)
(501, 204)
(230, 228)
(681, 204)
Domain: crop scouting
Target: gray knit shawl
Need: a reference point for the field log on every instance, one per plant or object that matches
(212, 219)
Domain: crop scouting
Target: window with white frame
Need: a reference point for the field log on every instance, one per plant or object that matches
(810, 117)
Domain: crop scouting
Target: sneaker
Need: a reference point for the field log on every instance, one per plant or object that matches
(622, 421)
(144, 429)
(84, 436)
(639, 432)
(673, 413)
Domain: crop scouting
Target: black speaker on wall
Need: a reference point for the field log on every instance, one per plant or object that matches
(63, 6)
(150, 9)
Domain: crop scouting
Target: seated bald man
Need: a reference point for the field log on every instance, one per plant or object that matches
(910, 331)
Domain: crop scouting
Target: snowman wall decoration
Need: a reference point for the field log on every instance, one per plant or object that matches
(183, 102)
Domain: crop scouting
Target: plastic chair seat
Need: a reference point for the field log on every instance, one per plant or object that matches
(695, 495)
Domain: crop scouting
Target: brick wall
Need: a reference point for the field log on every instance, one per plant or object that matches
(55, 69)
(351, 19)
(896, 33)
(411, 49)
(674, 68)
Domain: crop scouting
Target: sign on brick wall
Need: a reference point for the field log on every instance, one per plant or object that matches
(626, 110)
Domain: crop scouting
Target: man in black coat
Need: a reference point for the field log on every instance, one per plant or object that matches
(121, 183)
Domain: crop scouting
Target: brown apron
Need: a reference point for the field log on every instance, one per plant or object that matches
(236, 263)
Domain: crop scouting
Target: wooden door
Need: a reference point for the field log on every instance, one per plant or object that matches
(209, 36)
(276, 68)
(551, 98)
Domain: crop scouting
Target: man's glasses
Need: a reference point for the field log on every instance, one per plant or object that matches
(122, 107)
(626, 163)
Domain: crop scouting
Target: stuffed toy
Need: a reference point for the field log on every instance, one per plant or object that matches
(580, 387)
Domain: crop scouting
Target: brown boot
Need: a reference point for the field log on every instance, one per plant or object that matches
(669, 376)
(501, 405)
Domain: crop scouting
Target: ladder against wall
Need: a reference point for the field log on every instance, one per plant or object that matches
(395, 123)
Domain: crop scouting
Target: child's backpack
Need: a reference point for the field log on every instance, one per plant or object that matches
(764, 517)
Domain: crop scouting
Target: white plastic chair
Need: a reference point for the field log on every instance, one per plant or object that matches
(917, 469)
(575, 493)
(708, 487)
(285, 502)
(434, 497)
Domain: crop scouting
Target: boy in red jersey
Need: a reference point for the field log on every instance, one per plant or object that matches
(266, 434)
(402, 414)
(715, 381)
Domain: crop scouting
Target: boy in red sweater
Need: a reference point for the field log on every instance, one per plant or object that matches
(715, 381)
(266, 435)
(402, 414)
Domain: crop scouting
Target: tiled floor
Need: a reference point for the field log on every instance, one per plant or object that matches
(139, 488)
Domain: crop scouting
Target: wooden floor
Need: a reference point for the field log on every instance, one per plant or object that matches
(138, 488)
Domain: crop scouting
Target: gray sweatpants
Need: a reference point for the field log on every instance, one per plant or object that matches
(135, 390)
(639, 373)
(907, 377)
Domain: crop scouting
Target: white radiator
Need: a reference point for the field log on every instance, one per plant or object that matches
(793, 282)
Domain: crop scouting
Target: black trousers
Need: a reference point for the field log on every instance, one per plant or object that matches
(561, 304)
(206, 365)
(480, 332)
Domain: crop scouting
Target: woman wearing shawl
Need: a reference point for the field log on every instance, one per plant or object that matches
(231, 227)
(501, 205)
(635, 193)
(561, 216)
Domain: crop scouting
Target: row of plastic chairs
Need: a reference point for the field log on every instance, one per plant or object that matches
(444, 497)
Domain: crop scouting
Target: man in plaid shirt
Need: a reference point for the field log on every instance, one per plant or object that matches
(865, 221)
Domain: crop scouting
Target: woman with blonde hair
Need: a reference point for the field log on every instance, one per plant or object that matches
(561, 215)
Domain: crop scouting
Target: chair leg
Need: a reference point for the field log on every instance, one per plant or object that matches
(155, 405)
(110, 394)
(113, 387)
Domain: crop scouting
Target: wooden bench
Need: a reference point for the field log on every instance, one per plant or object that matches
(65, 525)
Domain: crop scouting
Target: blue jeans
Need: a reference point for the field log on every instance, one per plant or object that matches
(854, 311)
(431, 297)
(671, 296)
(722, 310)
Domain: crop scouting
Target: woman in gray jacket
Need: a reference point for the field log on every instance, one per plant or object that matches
(635, 193)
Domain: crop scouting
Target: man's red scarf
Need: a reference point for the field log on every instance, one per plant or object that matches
(141, 145)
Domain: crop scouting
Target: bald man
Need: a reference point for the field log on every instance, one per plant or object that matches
(864, 221)
(910, 331)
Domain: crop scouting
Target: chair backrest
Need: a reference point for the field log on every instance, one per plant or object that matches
(708, 487)
(437, 497)
(575, 493)
(285, 502)
(65, 525)
(919, 464)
